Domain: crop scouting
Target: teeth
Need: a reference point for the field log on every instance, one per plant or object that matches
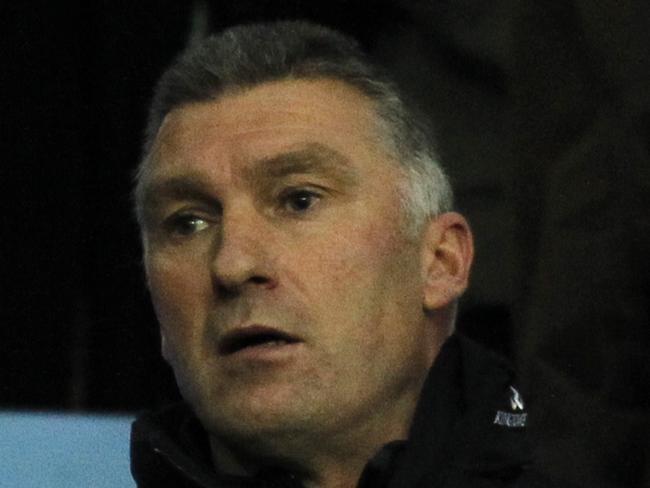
(277, 342)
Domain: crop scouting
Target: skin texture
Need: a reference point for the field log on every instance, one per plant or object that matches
(276, 207)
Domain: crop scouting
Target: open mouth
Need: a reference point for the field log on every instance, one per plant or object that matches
(254, 336)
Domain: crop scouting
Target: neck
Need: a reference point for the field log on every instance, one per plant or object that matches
(325, 470)
(322, 473)
(318, 460)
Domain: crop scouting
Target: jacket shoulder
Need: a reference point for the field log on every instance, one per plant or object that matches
(520, 478)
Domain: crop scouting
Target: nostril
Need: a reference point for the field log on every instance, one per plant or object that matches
(225, 292)
(264, 281)
(233, 290)
(259, 280)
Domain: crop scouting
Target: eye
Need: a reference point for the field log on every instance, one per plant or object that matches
(300, 200)
(186, 224)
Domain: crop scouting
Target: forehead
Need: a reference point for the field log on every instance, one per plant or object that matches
(268, 119)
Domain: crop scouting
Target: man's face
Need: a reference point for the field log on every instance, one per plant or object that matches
(289, 298)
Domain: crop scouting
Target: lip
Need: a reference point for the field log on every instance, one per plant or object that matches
(257, 341)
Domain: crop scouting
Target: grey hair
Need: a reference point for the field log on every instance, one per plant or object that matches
(247, 55)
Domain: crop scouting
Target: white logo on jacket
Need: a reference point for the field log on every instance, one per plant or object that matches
(509, 419)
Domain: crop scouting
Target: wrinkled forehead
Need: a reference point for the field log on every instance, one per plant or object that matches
(264, 120)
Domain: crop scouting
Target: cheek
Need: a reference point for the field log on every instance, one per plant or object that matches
(332, 262)
(178, 290)
(365, 254)
(349, 272)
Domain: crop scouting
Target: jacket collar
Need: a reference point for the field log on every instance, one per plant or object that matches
(466, 419)
(461, 421)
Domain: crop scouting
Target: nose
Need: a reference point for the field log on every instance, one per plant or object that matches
(242, 254)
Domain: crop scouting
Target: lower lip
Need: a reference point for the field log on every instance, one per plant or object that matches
(268, 353)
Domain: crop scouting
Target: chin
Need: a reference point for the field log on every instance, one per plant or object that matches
(251, 416)
(271, 434)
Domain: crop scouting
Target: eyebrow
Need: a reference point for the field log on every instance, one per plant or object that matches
(312, 158)
(189, 186)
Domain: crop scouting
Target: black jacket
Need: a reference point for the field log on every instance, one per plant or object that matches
(468, 431)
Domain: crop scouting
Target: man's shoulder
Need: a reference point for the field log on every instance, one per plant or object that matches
(470, 425)
(525, 478)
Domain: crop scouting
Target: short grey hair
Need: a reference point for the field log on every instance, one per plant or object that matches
(248, 55)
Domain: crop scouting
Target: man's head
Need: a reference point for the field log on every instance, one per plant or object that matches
(246, 56)
(297, 309)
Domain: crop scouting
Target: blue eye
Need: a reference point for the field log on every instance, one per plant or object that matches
(300, 200)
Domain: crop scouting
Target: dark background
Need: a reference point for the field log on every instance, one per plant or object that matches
(542, 111)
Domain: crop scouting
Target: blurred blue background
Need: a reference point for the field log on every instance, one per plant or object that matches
(52, 450)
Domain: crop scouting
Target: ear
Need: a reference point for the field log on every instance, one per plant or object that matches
(447, 253)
